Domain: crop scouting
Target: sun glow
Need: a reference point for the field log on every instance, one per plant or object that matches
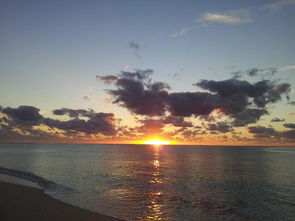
(157, 142)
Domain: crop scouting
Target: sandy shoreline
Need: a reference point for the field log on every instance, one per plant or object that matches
(19, 203)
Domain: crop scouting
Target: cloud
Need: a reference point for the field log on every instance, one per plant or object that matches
(242, 101)
(135, 47)
(262, 72)
(24, 118)
(174, 76)
(86, 98)
(265, 71)
(248, 116)
(221, 127)
(287, 68)
(9, 133)
(158, 110)
(154, 126)
(181, 32)
(177, 121)
(262, 131)
(137, 93)
(289, 125)
(270, 134)
(233, 17)
(94, 123)
(277, 120)
(276, 6)
(237, 75)
(71, 112)
(23, 115)
(90, 98)
(107, 79)
(235, 93)
(255, 72)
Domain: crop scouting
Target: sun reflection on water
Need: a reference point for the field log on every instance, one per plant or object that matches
(156, 163)
(155, 211)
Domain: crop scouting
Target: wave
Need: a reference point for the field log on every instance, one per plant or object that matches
(42, 182)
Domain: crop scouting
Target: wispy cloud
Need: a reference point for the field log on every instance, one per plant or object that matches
(233, 17)
(287, 68)
(182, 32)
(275, 6)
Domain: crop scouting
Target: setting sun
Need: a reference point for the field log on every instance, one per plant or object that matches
(157, 142)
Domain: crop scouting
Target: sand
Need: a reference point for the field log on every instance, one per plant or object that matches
(22, 203)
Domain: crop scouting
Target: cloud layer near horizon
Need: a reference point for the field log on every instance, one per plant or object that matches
(222, 107)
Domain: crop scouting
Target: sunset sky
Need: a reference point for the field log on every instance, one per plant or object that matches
(116, 71)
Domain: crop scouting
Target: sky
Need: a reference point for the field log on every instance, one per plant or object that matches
(113, 71)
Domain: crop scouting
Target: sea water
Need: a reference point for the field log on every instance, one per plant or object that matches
(142, 182)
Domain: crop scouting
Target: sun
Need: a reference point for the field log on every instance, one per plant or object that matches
(157, 142)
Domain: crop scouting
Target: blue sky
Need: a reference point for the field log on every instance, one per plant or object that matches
(51, 51)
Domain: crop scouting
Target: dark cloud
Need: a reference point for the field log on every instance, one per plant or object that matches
(289, 134)
(137, 93)
(107, 79)
(265, 71)
(24, 115)
(262, 92)
(241, 100)
(71, 112)
(177, 121)
(275, 92)
(262, 130)
(277, 120)
(226, 87)
(270, 133)
(96, 123)
(289, 125)
(221, 127)
(255, 72)
(247, 116)
(86, 121)
(186, 104)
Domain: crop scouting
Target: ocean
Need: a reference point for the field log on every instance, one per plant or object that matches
(142, 182)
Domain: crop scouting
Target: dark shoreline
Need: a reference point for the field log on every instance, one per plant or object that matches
(19, 203)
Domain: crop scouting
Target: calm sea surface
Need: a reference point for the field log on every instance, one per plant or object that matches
(139, 182)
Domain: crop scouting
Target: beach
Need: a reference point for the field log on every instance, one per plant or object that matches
(19, 203)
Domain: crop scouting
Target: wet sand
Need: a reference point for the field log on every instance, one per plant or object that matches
(22, 203)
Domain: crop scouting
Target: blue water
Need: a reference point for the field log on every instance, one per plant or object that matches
(139, 182)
